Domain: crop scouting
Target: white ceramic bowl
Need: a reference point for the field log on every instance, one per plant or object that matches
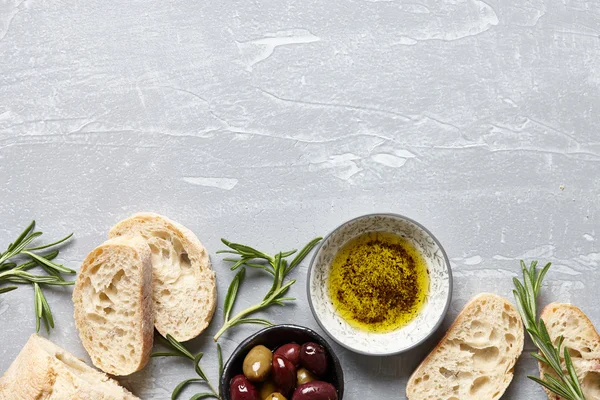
(410, 335)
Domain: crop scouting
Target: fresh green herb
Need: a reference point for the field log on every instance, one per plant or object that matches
(565, 384)
(277, 266)
(12, 272)
(179, 350)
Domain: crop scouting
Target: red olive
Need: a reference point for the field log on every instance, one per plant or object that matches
(316, 390)
(240, 388)
(313, 358)
(284, 374)
(291, 351)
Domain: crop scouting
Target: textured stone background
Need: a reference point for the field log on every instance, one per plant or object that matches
(271, 122)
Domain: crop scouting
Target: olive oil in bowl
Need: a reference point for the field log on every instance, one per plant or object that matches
(378, 282)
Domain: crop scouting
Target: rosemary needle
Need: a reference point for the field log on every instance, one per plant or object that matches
(13, 272)
(565, 384)
(179, 350)
(277, 266)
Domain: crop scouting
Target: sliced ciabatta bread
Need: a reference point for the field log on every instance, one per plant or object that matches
(184, 285)
(44, 371)
(476, 357)
(583, 342)
(113, 305)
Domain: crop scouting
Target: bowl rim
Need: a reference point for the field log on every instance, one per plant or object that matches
(442, 315)
(236, 352)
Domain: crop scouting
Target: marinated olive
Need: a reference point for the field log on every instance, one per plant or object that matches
(240, 388)
(291, 351)
(304, 376)
(313, 358)
(284, 374)
(317, 390)
(266, 389)
(276, 396)
(257, 364)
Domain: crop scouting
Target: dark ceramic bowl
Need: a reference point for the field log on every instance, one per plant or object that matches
(273, 337)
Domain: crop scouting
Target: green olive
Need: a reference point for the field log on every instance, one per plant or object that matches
(276, 396)
(266, 389)
(257, 364)
(304, 376)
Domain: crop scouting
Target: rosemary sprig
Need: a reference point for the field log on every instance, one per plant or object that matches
(179, 350)
(565, 384)
(12, 272)
(277, 266)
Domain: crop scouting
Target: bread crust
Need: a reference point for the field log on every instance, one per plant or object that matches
(44, 371)
(460, 319)
(144, 327)
(184, 312)
(584, 362)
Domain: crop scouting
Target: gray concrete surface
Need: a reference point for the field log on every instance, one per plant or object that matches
(270, 122)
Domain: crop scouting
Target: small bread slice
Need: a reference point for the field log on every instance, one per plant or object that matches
(113, 305)
(476, 357)
(583, 342)
(184, 284)
(44, 371)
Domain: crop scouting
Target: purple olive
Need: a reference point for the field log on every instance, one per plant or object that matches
(284, 374)
(316, 390)
(240, 388)
(314, 358)
(291, 351)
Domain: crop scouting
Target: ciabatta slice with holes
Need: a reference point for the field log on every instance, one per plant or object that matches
(476, 357)
(583, 342)
(44, 371)
(184, 285)
(113, 305)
